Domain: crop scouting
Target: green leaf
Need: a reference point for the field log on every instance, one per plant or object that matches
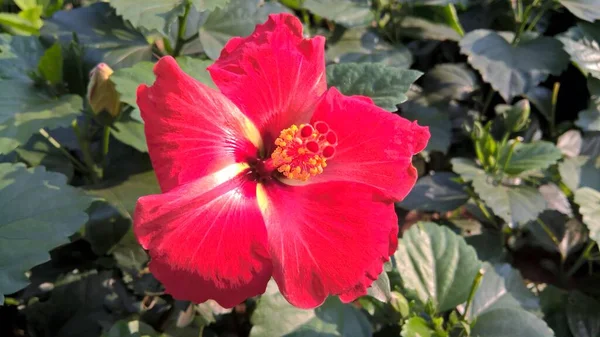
(505, 322)
(513, 70)
(51, 64)
(104, 34)
(238, 18)
(348, 13)
(466, 168)
(39, 212)
(435, 118)
(554, 301)
(39, 152)
(380, 289)
(416, 327)
(436, 193)
(437, 264)
(451, 81)
(423, 29)
(19, 55)
(582, 42)
(197, 69)
(589, 206)
(589, 119)
(105, 228)
(583, 315)
(360, 45)
(514, 204)
(131, 132)
(331, 319)
(579, 172)
(135, 328)
(532, 156)
(588, 10)
(561, 234)
(23, 111)
(384, 84)
(22, 22)
(501, 287)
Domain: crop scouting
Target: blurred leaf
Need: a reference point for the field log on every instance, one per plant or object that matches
(437, 264)
(512, 322)
(541, 97)
(105, 227)
(451, 81)
(437, 120)
(416, 327)
(130, 132)
(555, 198)
(423, 29)
(502, 287)
(554, 302)
(331, 319)
(589, 206)
(39, 212)
(361, 45)
(583, 315)
(516, 116)
(466, 168)
(105, 36)
(348, 13)
(39, 152)
(489, 245)
(515, 204)
(513, 70)
(19, 55)
(24, 110)
(570, 143)
(380, 288)
(532, 156)
(589, 119)
(436, 193)
(51, 64)
(26, 22)
(384, 84)
(159, 14)
(569, 234)
(238, 18)
(582, 42)
(579, 172)
(133, 328)
(588, 10)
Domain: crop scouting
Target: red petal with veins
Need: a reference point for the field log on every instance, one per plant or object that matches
(274, 75)
(375, 147)
(207, 239)
(325, 239)
(191, 129)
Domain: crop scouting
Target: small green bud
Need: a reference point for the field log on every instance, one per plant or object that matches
(101, 92)
(516, 117)
(400, 304)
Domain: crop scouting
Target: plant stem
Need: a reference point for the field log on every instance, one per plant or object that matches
(510, 153)
(523, 22)
(59, 147)
(582, 258)
(548, 231)
(488, 100)
(181, 31)
(552, 117)
(105, 145)
(538, 16)
(474, 287)
(86, 150)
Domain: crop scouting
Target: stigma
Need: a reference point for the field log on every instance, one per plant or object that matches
(302, 151)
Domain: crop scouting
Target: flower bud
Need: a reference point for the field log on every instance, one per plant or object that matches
(516, 116)
(101, 92)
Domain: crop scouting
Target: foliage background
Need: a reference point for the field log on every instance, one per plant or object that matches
(499, 237)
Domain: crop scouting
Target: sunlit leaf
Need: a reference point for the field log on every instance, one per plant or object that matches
(589, 206)
(588, 10)
(532, 156)
(349, 13)
(416, 327)
(510, 322)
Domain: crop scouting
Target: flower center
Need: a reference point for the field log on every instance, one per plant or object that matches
(302, 151)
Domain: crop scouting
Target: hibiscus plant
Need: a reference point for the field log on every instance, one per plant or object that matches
(306, 168)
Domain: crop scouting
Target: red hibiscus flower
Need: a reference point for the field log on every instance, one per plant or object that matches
(272, 176)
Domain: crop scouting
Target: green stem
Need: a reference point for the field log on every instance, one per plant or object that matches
(510, 153)
(59, 147)
(538, 16)
(181, 31)
(481, 206)
(523, 22)
(474, 287)
(582, 258)
(87, 152)
(488, 100)
(105, 145)
(552, 117)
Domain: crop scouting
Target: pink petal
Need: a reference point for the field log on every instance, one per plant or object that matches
(207, 239)
(274, 75)
(191, 129)
(375, 147)
(325, 239)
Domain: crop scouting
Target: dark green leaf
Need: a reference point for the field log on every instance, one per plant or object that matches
(554, 301)
(130, 132)
(510, 322)
(589, 206)
(416, 327)
(331, 319)
(105, 227)
(51, 64)
(238, 18)
(349, 13)
(436, 193)
(466, 168)
(489, 245)
(24, 110)
(584, 9)
(385, 85)
(104, 34)
(452, 81)
(515, 204)
(436, 119)
(532, 156)
(583, 315)
(19, 55)
(502, 287)
(360, 45)
(39, 212)
(39, 152)
(437, 264)
(513, 70)
(133, 328)
(555, 232)
(589, 119)
(423, 29)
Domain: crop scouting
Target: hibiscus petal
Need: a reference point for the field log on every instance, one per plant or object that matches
(207, 239)
(191, 129)
(274, 75)
(375, 147)
(325, 239)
